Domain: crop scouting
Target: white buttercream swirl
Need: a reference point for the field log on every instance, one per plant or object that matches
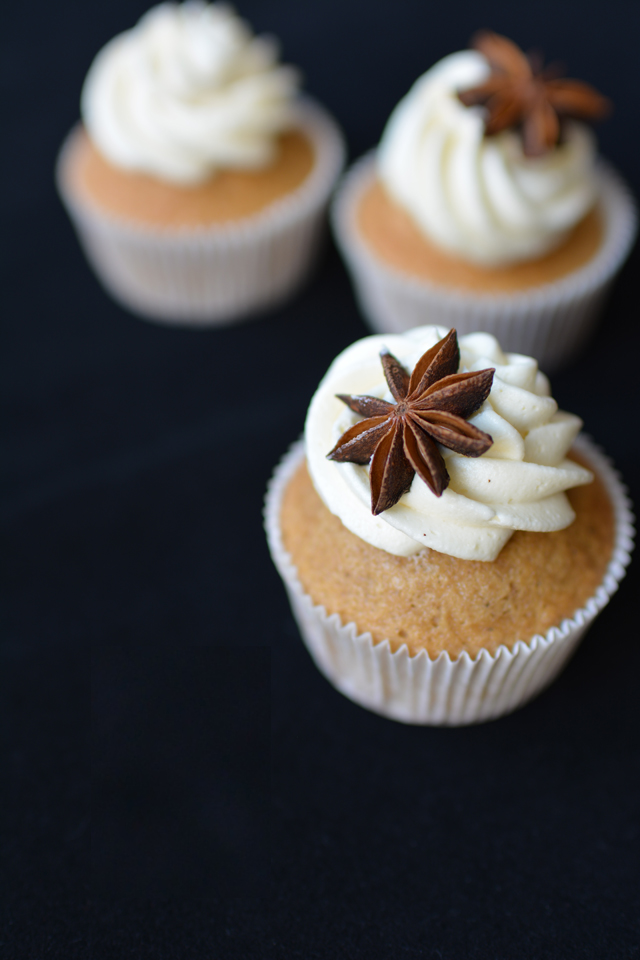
(481, 198)
(187, 91)
(518, 484)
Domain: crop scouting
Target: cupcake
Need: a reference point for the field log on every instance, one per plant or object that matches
(199, 176)
(444, 534)
(486, 207)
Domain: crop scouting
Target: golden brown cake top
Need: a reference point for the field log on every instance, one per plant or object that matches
(229, 196)
(435, 602)
(395, 238)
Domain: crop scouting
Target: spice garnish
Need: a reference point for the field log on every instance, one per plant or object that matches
(519, 92)
(432, 406)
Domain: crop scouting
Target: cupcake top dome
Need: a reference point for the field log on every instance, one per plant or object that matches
(476, 154)
(187, 91)
(518, 483)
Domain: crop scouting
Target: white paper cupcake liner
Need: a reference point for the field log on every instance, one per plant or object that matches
(550, 322)
(441, 691)
(211, 275)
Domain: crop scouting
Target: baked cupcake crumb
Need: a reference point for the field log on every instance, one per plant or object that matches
(436, 602)
(396, 239)
(228, 196)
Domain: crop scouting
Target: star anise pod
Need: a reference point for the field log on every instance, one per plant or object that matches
(432, 406)
(519, 93)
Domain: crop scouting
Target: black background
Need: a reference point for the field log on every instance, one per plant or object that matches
(144, 621)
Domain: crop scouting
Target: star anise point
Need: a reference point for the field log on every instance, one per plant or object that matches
(520, 92)
(432, 407)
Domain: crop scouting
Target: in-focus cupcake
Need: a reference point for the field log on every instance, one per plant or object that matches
(199, 176)
(444, 534)
(486, 206)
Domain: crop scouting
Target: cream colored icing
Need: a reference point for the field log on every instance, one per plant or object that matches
(518, 484)
(478, 197)
(187, 91)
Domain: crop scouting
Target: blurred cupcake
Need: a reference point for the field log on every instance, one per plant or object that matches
(486, 208)
(444, 538)
(199, 177)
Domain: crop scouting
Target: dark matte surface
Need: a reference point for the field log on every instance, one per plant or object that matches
(136, 459)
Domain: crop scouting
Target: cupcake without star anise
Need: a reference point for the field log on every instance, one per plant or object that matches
(486, 207)
(199, 177)
(444, 534)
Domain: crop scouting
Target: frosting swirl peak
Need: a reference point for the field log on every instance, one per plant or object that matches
(187, 91)
(479, 197)
(518, 484)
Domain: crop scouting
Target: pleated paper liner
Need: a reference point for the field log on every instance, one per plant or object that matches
(550, 322)
(212, 275)
(442, 691)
